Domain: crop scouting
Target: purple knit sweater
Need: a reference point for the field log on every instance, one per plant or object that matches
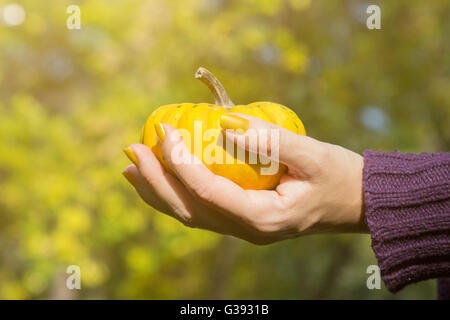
(407, 207)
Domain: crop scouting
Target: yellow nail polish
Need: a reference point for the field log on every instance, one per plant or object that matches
(129, 177)
(130, 154)
(231, 121)
(160, 131)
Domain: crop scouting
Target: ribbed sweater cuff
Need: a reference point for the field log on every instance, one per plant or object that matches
(407, 207)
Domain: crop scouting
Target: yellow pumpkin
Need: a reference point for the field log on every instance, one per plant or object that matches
(206, 141)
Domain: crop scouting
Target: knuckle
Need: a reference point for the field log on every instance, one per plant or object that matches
(323, 154)
(319, 159)
(188, 221)
(288, 205)
(184, 217)
(203, 191)
(268, 224)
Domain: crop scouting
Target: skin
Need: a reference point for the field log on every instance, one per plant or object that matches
(320, 193)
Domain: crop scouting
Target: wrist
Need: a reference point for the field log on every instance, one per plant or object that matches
(357, 219)
(347, 211)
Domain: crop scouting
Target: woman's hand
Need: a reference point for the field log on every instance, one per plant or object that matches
(321, 191)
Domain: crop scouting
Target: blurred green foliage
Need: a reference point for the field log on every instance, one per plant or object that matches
(70, 100)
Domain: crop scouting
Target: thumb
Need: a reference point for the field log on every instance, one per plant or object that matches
(269, 140)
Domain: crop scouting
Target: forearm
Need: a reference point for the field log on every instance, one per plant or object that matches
(407, 207)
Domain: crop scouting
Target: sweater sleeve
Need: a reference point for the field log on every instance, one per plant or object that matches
(407, 208)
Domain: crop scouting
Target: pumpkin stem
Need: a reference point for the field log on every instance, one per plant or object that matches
(221, 97)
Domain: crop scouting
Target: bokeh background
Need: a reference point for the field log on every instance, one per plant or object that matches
(71, 100)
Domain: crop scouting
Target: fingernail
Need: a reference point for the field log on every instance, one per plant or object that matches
(130, 154)
(231, 121)
(160, 131)
(129, 177)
